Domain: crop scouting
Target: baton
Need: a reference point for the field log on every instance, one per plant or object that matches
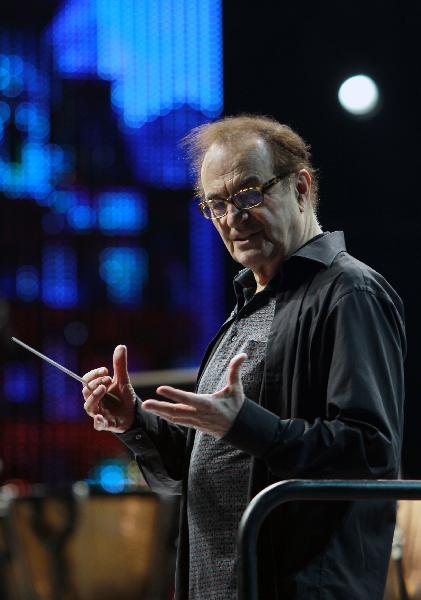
(52, 362)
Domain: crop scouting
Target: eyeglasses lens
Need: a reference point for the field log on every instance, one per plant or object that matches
(215, 209)
(248, 199)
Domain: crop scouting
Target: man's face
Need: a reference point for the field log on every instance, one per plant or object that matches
(262, 237)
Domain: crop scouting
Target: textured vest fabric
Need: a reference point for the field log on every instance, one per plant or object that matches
(219, 473)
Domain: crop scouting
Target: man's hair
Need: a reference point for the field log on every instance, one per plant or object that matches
(289, 151)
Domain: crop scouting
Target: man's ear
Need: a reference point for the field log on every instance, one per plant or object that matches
(303, 187)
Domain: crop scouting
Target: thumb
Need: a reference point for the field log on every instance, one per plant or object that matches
(120, 365)
(100, 423)
(234, 370)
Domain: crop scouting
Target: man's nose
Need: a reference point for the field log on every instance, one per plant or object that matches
(235, 215)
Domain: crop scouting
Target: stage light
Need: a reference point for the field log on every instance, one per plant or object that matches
(7, 285)
(81, 218)
(32, 118)
(112, 477)
(125, 271)
(41, 164)
(359, 95)
(5, 112)
(63, 200)
(20, 382)
(11, 75)
(59, 281)
(27, 284)
(206, 258)
(122, 212)
(62, 397)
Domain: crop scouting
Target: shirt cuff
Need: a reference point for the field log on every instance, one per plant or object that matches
(132, 437)
(254, 430)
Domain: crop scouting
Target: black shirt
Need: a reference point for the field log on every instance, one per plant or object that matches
(330, 405)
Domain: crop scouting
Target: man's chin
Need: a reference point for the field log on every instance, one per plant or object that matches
(251, 258)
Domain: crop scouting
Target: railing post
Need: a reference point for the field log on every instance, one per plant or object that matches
(278, 493)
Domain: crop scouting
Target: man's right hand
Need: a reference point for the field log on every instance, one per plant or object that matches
(112, 416)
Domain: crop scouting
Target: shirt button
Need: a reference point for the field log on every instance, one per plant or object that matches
(138, 436)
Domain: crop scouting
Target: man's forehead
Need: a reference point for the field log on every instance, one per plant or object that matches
(242, 159)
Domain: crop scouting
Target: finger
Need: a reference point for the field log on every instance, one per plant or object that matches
(90, 375)
(87, 391)
(91, 404)
(100, 423)
(184, 420)
(167, 409)
(121, 373)
(234, 369)
(180, 395)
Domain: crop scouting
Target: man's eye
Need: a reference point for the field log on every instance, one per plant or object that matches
(217, 205)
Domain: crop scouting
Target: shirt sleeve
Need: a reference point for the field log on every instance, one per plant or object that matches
(159, 449)
(360, 433)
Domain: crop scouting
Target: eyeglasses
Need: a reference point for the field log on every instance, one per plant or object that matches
(243, 200)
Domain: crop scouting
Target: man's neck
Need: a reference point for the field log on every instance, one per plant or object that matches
(263, 276)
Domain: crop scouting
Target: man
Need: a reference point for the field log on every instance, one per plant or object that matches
(304, 380)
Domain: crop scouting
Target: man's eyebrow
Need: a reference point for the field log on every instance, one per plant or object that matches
(250, 181)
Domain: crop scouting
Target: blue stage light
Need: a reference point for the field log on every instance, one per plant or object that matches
(207, 280)
(122, 212)
(32, 118)
(62, 396)
(63, 200)
(125, 271)
(81, 217)
(59, 276)
(74, 36)
(11, 75)
(20, 382)
(27, 283)
(4, 72)
(112, 478)
(25, 87)
(7, 285)
(5, 112)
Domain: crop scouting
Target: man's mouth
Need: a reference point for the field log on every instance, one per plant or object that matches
(244, 238)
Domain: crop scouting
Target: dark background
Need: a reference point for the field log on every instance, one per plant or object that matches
(288, 60)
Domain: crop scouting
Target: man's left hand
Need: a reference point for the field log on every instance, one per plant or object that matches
(210, 413)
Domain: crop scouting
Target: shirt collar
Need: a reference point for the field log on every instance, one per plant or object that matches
(322, 248)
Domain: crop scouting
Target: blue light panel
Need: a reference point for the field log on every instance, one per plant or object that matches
(7, 285)
(25, 104)
(207, 278)
(164, 61)
(125, 271)
(27, 283)
(59, 276)
(113, 212)
(20, 382)
(62, 396)
(77, 207)
(62, 201)
(121, 212)
(82, 217)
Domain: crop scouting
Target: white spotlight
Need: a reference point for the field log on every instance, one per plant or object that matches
(359, 95)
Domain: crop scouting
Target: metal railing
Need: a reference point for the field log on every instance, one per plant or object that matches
(303, 489)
